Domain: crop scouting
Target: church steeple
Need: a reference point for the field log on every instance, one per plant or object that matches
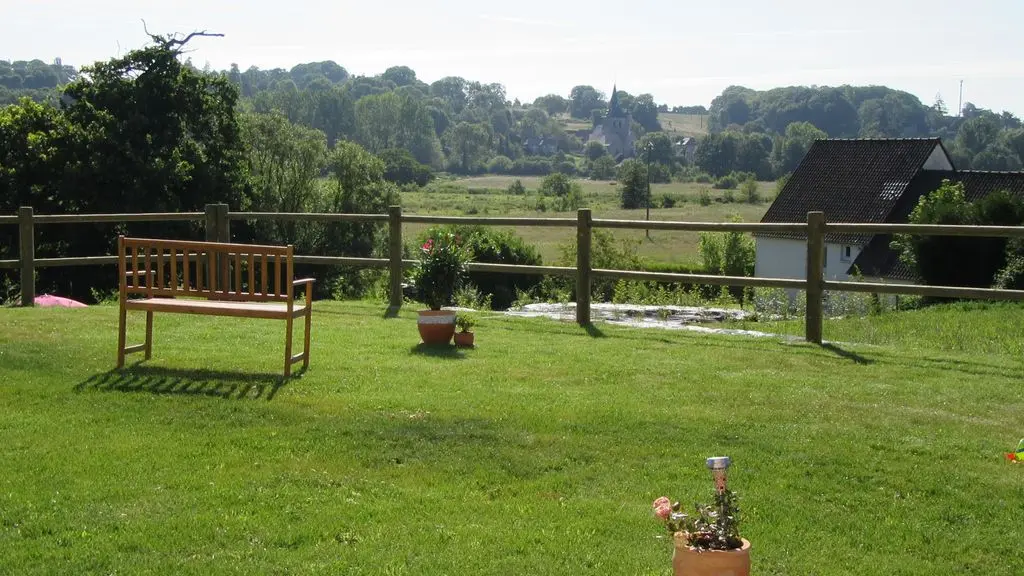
(614, 108)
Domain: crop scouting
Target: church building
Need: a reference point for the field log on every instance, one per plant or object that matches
(616, 130)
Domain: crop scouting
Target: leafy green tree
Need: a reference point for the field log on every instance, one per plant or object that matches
(283, 161)
(452, 91)
(656, 147)
(391, 121)
(585, 99)
(716, 153)
(603, 168)
(400, 75)
(954, 260)
(633, 183)
(790, 149)
(594, 150)
(138, 133)
(645, 112)
(552, 104)
(468, 146)
(401, 168)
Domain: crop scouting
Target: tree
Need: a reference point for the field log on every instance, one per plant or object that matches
(391, 121)
(400, 75)
(138, 133)
(716, 153)
(633, 182)
(645, 112)
(657, 148)
(552, 104)
(954, 260)
(283, 161)
(401, 168)
(789, 150)
(468, 145)
(594, 150)
(452, 91)
(585, 99)
(602, 169)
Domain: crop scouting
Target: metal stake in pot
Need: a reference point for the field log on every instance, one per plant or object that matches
(718, 465)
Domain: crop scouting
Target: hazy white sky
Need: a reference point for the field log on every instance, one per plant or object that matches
(682, 52)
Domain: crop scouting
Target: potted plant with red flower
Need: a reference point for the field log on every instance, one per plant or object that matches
(438, 274)
(707, 541)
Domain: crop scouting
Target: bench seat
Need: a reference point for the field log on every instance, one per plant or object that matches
(269, 310)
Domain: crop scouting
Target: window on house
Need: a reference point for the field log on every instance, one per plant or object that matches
(846, 253)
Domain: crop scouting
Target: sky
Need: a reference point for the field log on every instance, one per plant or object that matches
(682, 52)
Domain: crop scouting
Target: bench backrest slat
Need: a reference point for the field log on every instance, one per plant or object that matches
(158, 267)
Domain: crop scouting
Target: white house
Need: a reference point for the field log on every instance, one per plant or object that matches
(868, 181)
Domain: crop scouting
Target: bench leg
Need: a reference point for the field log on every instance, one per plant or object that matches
(309, 320)
(288, 347)
(121, 326)
(149, 335)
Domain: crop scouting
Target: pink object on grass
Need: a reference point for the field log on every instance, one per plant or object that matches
(47, 300)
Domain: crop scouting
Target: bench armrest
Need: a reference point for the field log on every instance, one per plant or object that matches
(303, 281)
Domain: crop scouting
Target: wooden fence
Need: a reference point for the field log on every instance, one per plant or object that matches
(218, 218)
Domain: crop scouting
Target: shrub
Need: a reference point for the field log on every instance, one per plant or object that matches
(703, 178)
(441, 268)
(401, 168)
(605, 252)
(531, 166)
(516, 188)
(727, 182)
(667, 201)
(959, 261)
(729, 196)
(497, 247)
(748, 190)
(500, 165)
(556, 184)
(705, 197)
(728, 254)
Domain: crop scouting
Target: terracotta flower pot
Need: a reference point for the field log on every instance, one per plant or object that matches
(688, 561)
(436, 326)
(464, 339)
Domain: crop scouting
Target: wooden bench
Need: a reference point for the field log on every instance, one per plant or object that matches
(241, 280)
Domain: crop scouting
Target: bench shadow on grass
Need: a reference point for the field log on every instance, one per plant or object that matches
(173, 381)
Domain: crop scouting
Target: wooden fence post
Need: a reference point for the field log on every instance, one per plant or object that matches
(395, 258)
(223, 224)
(27, 255)
(583, 236)
(211, 222)
(815, 275)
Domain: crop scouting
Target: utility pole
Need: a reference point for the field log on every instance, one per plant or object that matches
(960, 106)
(647, 149)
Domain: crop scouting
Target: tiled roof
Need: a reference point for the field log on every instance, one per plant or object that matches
(857, 180)
(878, 260)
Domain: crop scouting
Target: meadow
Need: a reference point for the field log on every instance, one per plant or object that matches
(539, 451)
(489, 196)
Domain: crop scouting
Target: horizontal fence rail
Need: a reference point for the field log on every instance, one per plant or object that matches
(217, 223)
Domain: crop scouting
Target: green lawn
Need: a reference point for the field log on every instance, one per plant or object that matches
(539, 452)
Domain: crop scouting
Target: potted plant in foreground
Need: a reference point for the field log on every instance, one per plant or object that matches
(464, 337)
(707, 541)
(439, 272)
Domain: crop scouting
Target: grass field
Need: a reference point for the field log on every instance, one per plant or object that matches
(487, 196)
(538, 452)
(684, 124)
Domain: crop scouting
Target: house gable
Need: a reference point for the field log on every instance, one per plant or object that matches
(858, 180)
